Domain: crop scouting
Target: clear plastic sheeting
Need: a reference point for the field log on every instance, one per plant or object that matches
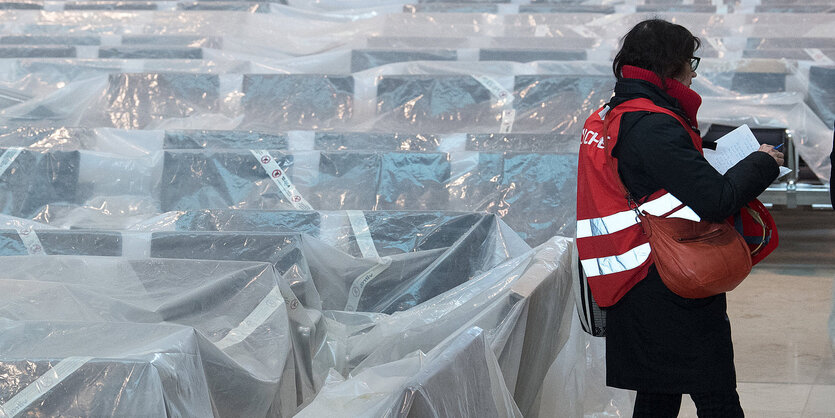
(34, 177)
(420, 254)
(192, 337)
(521, 298)
(575, 383)
(134, 101)
(533, 103)
(821, 97)
(422, 97)
(423, 385)
(344, 65)
(532, 289)
(403, 97)
(295, 284)
(234, 208)
(303, 101)
(532, 191)
(132, 142)
(60, 242)
(46, 380)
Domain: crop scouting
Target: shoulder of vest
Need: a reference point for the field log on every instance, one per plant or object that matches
(646, 105)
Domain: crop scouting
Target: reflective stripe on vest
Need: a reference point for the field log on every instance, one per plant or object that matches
(634, 257)
(619, 221)
(616, 263)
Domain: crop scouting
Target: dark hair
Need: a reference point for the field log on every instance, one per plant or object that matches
(658, 46)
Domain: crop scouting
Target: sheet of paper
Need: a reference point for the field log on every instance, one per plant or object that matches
(732, 148)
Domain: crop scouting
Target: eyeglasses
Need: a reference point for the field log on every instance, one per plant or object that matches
(694, 63)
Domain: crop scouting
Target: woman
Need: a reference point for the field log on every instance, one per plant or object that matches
(658, 343)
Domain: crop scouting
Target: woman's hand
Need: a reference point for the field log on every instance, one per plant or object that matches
(769, 149)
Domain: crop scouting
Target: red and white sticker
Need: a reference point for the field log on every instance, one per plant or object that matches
(281, 180)
(31, 241)
(508, 119)
(819, 56)
(504, 99)
(503, 96)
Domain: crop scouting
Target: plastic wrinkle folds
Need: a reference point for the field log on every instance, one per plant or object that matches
(332, 207)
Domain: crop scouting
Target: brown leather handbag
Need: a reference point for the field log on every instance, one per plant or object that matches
(696, 259)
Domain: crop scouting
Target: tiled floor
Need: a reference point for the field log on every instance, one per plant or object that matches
(779, 314)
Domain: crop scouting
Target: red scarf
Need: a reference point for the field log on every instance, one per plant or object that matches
(689, 99)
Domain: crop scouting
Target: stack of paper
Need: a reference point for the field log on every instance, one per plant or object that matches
(732, 148)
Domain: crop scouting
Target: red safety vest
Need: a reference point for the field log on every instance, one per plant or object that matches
(614, 252)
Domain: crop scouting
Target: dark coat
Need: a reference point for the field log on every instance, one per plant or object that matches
(655, 340)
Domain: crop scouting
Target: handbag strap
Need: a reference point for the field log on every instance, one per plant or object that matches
(613, 165)
(757, 218)
(673, 210)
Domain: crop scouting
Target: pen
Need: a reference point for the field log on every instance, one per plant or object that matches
(777, 148)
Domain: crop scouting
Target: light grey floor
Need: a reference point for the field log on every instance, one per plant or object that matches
(779, 314)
